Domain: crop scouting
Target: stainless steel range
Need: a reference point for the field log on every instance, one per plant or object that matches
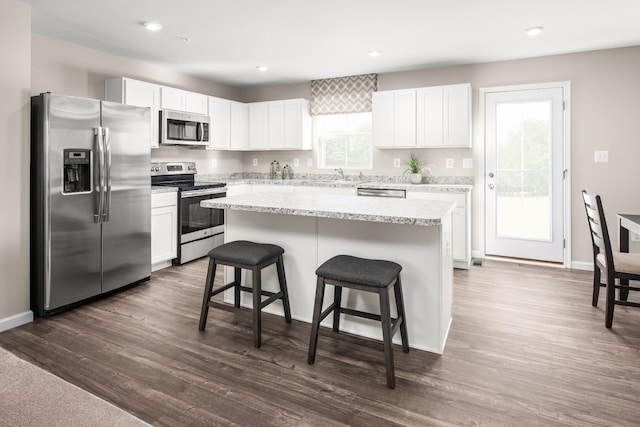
(199, 229)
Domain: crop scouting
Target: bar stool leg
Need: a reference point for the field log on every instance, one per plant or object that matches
(237, 280)
(211, 275)
(257, 300)
(283, 287)
(337, 300)
(315, 323)
(400, 309)
(385, 314)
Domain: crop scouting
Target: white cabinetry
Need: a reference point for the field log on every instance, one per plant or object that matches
(444, 116)
(394, 118)
(438, 116)
(220, 123)
(280, 125)
(182, 100)
(140, 94)
(164, 229)
(461, 229)
(239, 126)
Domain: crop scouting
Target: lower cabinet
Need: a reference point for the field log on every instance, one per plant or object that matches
(461, 227)
(164, 229)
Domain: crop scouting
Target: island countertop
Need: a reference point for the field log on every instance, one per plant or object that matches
(372, 209)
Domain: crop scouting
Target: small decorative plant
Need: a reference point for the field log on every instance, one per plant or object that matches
(415, 169)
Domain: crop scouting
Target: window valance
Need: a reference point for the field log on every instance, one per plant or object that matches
(342, 95)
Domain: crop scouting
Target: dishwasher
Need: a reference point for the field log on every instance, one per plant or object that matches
(393, 193)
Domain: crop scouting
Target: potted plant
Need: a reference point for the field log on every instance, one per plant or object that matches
(414, 169)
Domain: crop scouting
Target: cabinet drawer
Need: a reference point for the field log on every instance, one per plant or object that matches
(459, 198)
(159, 200)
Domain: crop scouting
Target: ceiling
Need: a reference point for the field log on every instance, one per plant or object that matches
(302, 40)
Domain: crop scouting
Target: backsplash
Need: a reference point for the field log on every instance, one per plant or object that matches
(449, 180)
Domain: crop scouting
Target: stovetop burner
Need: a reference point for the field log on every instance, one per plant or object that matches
(179, 174)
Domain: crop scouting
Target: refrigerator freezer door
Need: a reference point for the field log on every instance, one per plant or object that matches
(72, 243)
(127, 230)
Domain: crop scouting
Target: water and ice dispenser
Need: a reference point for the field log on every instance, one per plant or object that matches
(76, 171)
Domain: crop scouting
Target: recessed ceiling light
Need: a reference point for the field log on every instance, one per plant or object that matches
(261, 68)
(374, 53)
(533, 31)
(152, 26)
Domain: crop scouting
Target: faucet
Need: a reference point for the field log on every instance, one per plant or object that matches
(340, 172)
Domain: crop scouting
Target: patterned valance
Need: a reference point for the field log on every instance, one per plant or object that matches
(341, 95)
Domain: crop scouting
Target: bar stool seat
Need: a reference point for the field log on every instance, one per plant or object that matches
(252, 256)
(367, 275)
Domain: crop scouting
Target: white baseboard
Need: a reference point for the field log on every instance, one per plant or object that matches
(16, 320)
(581, 265)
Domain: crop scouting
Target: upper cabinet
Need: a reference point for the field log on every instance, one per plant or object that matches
(280, 125)
(444, 116)
(220, 123)
(140, 94)
(394, 118)
(239, 126)
(438, 116)
(182, 100)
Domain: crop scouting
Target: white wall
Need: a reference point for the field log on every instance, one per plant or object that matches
(15, 48)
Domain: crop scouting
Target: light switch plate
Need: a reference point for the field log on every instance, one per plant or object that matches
(296, 163)
(255, 162)
(396, 163)
(601, 157)
(449, 163)
(309, 162)
(467, 163)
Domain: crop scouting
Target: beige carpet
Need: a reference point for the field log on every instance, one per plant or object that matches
(31, 396)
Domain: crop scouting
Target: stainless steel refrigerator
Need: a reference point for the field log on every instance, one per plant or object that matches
(90, 199)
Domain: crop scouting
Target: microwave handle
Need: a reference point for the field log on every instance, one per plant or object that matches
(200, 132)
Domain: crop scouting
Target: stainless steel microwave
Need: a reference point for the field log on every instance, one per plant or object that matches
(178, 128)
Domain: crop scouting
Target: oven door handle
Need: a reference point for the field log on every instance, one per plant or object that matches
(204, 192)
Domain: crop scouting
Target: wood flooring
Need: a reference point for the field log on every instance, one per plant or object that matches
(526, 348)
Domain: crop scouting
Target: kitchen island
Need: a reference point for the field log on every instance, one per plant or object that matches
(314, 227)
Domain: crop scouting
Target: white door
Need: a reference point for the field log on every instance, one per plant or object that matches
(524, 163)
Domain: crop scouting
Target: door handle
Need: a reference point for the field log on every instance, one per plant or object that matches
(107, 198)
(98, 174)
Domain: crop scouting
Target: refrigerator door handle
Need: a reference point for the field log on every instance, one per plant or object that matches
(107, 150)
(98, 175)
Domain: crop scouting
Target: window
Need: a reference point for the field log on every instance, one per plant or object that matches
(344, 140)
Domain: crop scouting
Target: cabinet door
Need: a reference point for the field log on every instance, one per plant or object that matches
(382, 119)
(297, 124)
(457, 117)
(172, 99)
(220, 125)
(404, 118)
(239, 126)
(196, 103)
(143, 94)
(258, 126)
(275, 126)
(430, 116)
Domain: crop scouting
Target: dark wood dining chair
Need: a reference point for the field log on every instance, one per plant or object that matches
(615, 265)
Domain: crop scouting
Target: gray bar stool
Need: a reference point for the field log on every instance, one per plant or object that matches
(378, 276)
(242, 254)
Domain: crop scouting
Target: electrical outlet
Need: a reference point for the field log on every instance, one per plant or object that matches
(449, 163)
(255, 162)
(296, 163)
(601, 157)
(309, 162)
(467, 163)
(214, 163)
(396, 163)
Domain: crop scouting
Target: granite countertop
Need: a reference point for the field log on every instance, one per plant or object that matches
(372, 209)
(339, 183)
(163, 189)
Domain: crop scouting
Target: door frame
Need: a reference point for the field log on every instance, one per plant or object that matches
(566, 187)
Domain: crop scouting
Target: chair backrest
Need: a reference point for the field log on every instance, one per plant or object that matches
(598, 226)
